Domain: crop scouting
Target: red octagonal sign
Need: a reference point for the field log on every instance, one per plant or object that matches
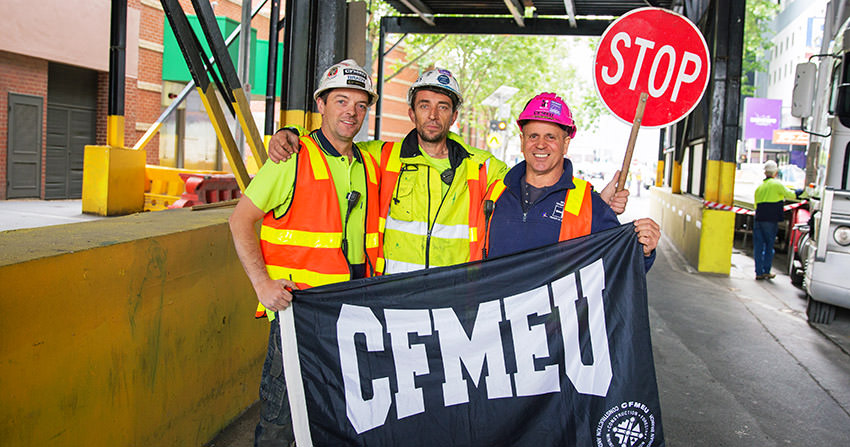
(656, 51)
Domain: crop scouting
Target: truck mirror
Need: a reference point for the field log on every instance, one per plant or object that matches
(804, 90)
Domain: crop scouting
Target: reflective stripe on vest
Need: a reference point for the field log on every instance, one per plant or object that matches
(578, 209)
(465, 233)
(304, 244)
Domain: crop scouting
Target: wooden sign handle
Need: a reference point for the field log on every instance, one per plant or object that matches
(627, 160)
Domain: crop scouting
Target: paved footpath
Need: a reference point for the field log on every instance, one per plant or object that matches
(30, 213)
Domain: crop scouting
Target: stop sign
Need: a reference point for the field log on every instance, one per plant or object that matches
(656, 51)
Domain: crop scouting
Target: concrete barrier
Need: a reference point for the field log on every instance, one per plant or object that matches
(703, 236)
(136, 331)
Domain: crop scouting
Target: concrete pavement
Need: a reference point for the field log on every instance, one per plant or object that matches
(17, 214)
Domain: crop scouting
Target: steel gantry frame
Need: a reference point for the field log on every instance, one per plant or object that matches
(224, 79)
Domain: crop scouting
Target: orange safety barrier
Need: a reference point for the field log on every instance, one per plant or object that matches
(207, 189)
(165, 185)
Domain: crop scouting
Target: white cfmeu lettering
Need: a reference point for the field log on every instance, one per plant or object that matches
(483, 345)
(362, 413)
(689, 68)
(588, 379)
(410, 360)
(456, 349)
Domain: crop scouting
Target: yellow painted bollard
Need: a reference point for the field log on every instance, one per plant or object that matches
(113, 180)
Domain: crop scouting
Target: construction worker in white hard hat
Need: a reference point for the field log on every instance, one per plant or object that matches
(433, 185)
(319, 213)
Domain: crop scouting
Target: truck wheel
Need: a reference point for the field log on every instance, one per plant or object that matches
(795, 274)
(818, 312)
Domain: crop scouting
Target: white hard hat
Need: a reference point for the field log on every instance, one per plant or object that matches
(770, 167)
(346, 74)
(439, 79)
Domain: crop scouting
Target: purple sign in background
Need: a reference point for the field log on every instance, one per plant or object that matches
(761, 117)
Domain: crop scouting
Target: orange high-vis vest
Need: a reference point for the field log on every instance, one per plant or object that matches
(477, 187)
(305, 244)
(578, 209)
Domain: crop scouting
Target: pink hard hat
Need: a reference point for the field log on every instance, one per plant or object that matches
(551, 108)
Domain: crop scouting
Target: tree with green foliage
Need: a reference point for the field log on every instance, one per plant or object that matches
(757, 34)
(482, 63)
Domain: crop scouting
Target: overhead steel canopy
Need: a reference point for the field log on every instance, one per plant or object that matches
(426, 9)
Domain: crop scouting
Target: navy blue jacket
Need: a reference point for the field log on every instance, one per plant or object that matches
(512, 231)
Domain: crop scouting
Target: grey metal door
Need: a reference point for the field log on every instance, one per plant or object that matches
(71, 121)
(69, 130)
(23, 159)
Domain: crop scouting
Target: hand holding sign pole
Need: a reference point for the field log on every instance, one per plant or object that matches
(651, 70)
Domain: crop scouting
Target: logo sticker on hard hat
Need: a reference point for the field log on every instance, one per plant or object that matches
(555, 108)
(332, 72)
(354, 72)
(443, 79)
(356, 82)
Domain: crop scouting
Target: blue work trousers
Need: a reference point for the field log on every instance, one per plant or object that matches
(764, 235)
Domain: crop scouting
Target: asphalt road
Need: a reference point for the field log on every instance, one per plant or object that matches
(739, 365)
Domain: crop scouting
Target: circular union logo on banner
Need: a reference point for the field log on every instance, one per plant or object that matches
(629, 424)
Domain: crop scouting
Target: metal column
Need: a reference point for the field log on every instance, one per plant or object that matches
(725, 100)
(117, 65)
(382, 41)
(294, 103)
(271, 73)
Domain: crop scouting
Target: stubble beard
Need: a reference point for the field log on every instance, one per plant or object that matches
(436, 139)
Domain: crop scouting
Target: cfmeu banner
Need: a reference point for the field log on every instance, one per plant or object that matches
(543, 348)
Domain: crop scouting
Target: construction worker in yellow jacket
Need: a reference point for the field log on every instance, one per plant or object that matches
(432, 186)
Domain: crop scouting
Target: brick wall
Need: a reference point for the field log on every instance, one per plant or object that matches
(395, 123)
(102, 108)
(26, 76)
(143, 96)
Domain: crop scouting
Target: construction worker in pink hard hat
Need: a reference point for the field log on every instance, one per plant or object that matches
(541, 202)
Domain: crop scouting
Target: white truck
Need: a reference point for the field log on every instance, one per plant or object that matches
(822, 100)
